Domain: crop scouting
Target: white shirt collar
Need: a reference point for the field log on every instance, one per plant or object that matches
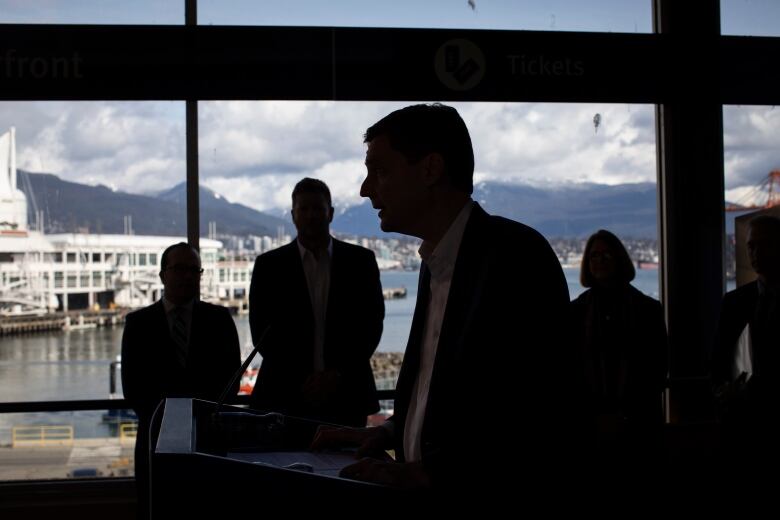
(441, 258)
(302, 250)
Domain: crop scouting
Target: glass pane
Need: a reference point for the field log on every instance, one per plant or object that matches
(60, 445)
(565, 169)
(149, 12)
(555, 15)
(93, 185)
(751, 174)
(750, 17)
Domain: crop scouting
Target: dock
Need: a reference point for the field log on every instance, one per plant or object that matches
(394, 293)
(12, 325)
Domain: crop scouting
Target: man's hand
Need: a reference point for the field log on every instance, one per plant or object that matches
(407, 476)
(371, 442)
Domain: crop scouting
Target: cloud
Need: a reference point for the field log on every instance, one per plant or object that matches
(750, 144)
(255, 152)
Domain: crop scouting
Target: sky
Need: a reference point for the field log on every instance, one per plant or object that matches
(254, 152)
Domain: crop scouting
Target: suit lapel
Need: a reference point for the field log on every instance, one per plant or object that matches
(466, 286)
(299, 288)
(414, 345)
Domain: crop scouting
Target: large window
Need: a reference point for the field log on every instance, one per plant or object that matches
(565, 169)
(750, 17)
(93, 12)
(555, 15)
(751, 163)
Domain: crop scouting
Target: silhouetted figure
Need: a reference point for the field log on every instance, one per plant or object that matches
(484, 353)
(323, 301)
(624, 345)
(176, 347)
(749, 393)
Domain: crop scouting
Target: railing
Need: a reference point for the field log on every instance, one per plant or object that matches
(46, 435)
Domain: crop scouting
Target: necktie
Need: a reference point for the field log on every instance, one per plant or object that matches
(179, 333)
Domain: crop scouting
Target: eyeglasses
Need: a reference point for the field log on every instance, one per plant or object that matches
(184, 269)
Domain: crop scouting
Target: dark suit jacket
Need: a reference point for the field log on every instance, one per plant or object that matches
(151, 372)
(279, 297)
(642, 357)
(738, 309)
(500, 359)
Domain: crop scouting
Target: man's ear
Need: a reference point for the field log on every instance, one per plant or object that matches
(433, 168)
(330, 214)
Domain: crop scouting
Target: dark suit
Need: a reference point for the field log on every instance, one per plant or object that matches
(151, 370)
(279, 297)
(623, 336)
(738, 309)
(500, 360)
(749, 411)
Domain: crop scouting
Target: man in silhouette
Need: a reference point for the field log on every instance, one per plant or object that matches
(321, 301)
(176, 347)
(750, 315)
(484, 349)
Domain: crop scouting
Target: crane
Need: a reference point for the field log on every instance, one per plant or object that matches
(769, 185)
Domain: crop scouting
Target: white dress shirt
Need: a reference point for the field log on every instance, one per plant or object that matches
(441, 264)
(317, 271)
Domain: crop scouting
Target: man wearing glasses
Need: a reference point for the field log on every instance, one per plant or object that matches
(176, 347)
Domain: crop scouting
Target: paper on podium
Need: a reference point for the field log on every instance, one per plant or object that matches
(328, 463)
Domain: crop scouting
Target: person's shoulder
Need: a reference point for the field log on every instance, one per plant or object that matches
(743, 292)
(207, 307)
(144, 312)
(514, 230)
(642, 298)
(275, 255)
(352, 249)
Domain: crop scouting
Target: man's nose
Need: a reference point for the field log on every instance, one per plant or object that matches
(364, 188)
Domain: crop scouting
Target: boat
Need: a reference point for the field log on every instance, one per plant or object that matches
(248, 380)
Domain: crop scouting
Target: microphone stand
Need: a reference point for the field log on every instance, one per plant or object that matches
(242, 427)
(240, 371)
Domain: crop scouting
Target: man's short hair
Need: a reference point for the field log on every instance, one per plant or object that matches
(768, 223)
(164, 258)
(418, 130)
(624, 267)
(309, 185)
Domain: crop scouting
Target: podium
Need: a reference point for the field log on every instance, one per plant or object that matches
(240, 459)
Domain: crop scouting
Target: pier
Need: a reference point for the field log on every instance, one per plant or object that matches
(394, 293)
(11, 325)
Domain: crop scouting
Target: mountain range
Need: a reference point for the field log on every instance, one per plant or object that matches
(73, 207)
(574, 210)
(563, 211)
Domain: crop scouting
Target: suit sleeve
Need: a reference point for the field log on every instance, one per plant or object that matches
(725, 344)
(232, 351)
(137, 388)
(372, 306)
(259, 304)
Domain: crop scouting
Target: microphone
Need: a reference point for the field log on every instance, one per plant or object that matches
(255, 349)
(243, 429)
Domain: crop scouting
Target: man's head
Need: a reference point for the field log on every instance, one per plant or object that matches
(180, 273)
(312, 212)
(414, 155)
(763, 243)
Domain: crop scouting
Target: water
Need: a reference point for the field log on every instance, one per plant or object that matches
(75, 365)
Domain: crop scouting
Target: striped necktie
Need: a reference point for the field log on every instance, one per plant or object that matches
(179, 334)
